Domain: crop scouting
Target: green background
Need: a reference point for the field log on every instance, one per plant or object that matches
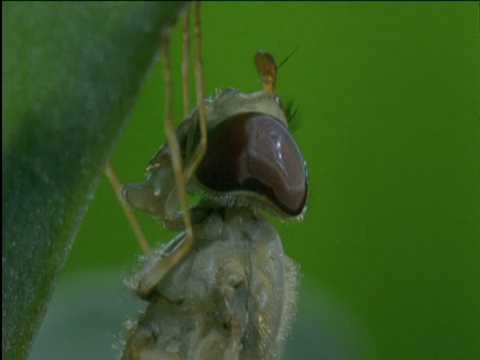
(389, 106)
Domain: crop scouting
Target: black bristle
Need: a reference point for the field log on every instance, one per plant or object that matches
(292, 115)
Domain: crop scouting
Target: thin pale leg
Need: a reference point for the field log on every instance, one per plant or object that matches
(185, 64)
(132, 219)
(110, 172)
(201, 148)
(154, 276)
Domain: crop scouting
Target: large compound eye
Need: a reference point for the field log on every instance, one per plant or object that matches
(255, 152)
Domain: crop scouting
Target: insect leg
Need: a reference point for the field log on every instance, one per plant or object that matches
(185, 64)
(160, 269)
(201, 148)
(132, 219)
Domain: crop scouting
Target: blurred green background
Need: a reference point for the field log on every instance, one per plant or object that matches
(388, 96)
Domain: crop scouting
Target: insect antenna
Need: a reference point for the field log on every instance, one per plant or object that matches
(288, 57)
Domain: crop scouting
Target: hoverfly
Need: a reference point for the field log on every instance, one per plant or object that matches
(223, 288)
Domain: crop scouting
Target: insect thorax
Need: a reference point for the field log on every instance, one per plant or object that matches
(233, 297)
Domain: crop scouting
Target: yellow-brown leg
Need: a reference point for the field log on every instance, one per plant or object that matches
(154, 275)
(186, 64)
(201, 148)
(132, 219)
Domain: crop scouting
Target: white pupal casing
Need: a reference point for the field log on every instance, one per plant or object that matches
(233, 297)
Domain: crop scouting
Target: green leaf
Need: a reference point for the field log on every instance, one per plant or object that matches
(71, 73)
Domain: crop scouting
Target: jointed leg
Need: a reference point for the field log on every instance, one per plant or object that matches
(160, 269)
(185, 64)
(201, 148)
(132, 219)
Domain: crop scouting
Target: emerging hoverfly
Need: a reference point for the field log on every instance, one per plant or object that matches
(223, 288)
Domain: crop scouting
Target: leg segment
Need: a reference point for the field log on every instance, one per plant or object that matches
(132, 219)
(181, 178)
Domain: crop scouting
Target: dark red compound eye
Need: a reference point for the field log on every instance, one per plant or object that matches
(256, 152)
